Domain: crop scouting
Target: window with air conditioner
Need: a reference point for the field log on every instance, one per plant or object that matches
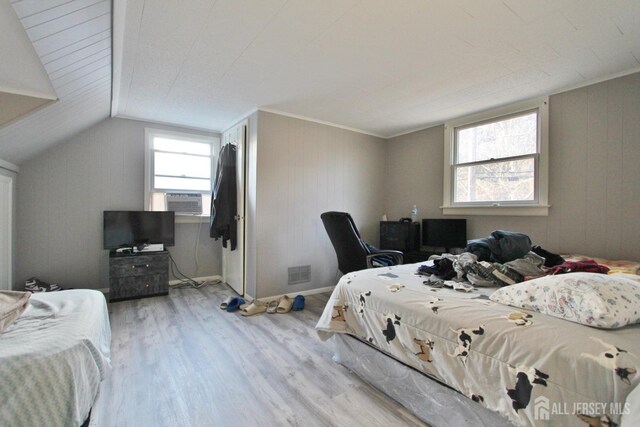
(179, 171)
(496, 163)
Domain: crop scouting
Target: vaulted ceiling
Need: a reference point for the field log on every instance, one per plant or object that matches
(71, 40)
(382, 67)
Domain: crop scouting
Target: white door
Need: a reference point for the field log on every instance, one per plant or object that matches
(6, 200)
(233, 261)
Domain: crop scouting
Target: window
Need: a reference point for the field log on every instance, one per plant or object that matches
(496, 162)
(177, 162)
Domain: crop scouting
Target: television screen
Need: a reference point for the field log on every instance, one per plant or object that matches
(444, 233)
(132, 228)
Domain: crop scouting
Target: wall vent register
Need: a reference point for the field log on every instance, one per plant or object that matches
(301, 274)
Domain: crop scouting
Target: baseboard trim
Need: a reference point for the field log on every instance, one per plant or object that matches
(197, 279)
(307, 292)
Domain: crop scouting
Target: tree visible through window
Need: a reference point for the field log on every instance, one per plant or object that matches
(496, 161)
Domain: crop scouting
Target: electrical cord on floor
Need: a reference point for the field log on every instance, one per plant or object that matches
(186, 281)
(195, 249)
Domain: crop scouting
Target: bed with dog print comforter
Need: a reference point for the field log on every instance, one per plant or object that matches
(531, 368)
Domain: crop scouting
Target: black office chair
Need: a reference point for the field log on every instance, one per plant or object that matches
(354, 253)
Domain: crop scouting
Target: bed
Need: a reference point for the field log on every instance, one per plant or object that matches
(53, 358)
(513, 366)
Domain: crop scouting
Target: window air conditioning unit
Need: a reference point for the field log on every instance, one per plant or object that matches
(184, 203)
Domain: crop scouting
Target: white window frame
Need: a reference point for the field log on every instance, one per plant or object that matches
(149, 135)
(537, 207)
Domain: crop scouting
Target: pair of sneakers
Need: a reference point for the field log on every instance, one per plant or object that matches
(231, 304)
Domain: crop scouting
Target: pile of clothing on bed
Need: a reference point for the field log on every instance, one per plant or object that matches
(500, 259)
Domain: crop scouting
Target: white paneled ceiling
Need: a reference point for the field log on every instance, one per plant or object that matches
(383, 67)
(72, 40)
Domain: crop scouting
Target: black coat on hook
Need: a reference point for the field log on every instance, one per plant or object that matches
(224, 198)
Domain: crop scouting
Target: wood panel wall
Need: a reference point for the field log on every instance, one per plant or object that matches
(594, 188)
(304, 169)
(62, 193)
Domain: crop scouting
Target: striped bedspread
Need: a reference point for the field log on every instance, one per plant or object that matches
(53, 358)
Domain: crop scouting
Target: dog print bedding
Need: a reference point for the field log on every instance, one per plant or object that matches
(532, 368)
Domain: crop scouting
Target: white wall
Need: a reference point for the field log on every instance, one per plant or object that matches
(62, 193)
(594, 190)
(304, 169)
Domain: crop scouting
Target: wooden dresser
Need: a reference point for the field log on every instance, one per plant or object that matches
(140, 275)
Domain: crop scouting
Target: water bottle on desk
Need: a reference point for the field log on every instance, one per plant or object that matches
(414, 214)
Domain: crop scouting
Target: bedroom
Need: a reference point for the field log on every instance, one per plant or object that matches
(76, 161)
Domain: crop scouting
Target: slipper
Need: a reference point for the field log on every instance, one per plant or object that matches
(272, 306)
(284, 305)
(256, 307)
(298, 303)
(225, 303)
(234, 304)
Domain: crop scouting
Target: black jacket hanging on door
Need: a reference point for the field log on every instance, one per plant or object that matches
(224, 199)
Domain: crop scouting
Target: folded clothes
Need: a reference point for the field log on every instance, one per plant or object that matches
(588, 266)
(529, 266)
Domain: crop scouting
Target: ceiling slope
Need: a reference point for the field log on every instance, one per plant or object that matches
(73, 42)
(384, 67)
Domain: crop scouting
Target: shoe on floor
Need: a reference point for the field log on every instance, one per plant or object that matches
(225, 303)
(272, 306)
(256, 307)
(284, 305)
(298, 303)
(234, 304)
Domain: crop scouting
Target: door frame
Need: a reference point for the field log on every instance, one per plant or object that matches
(244, 124)
(6, 230)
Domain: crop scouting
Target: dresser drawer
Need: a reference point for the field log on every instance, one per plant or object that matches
(138, 286)
(142, 265)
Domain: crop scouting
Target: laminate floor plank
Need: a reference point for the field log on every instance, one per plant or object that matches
(179, 360)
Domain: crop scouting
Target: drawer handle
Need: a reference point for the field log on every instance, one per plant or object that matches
(146, 286)
(140, 266)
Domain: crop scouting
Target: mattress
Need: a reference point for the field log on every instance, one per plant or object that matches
(53, 358)
(432, 402)
(532, 369)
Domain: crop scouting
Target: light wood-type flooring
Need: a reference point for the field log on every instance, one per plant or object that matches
(180, 360)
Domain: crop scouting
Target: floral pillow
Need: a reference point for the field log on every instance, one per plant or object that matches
(598, 300)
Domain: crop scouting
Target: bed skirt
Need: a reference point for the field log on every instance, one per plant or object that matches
(432, 402)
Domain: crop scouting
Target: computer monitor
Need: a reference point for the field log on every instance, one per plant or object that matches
(444, 233)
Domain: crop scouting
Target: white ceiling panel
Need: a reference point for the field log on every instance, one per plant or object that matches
(378, 66)
(73, 43)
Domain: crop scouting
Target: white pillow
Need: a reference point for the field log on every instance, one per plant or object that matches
(592, 299)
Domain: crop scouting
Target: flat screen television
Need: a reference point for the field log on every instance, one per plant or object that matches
(134, 228)
(444, 233)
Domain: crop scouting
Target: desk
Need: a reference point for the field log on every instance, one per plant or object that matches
(411, 257)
